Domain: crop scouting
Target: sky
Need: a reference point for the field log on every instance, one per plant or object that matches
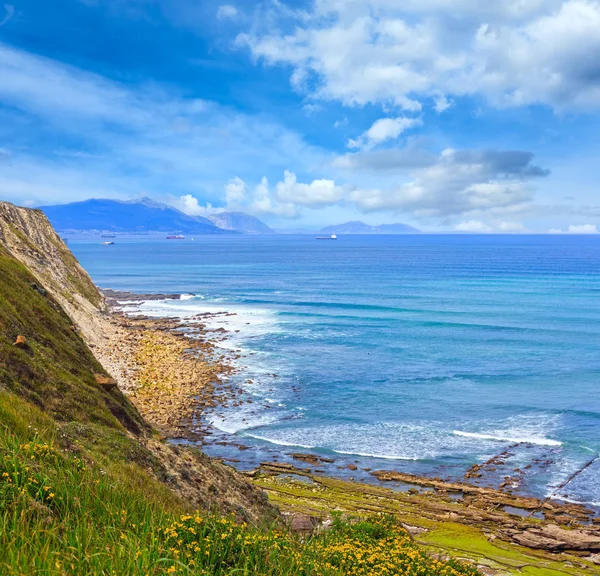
(449, 115)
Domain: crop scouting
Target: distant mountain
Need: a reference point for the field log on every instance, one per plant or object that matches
(143, 215)
(240, 222)
(362, 228)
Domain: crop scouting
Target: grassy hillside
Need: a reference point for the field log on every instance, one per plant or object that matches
(81, 492)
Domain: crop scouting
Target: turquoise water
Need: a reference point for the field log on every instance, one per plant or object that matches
(416, 353)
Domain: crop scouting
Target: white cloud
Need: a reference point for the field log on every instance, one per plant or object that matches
(129, 138)
(9, 15)
(452, 185)
(316, 194)
(514, 52)
(312, 108)
(192, 207)
(442, 103)
(576, 229)
(145, 139)
(285, 199)
(497, 227)
(382, 130)
(510, 227)
(227, 11)
(474, 226)
(580, 229)
(235, 192)
(457, 182)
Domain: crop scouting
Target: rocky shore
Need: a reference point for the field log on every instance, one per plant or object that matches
(499, 532)
(171, 378)
(174, 379)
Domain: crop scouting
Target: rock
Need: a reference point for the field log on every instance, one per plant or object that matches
(309, 458)
(21, 342)
(105, 381)
(595, 558)
(414, 530)
(352, 467)
(302, 523)
(554, 538)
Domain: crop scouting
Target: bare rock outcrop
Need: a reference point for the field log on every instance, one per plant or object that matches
(556, 539)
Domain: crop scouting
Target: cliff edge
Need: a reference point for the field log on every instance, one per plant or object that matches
(50, 315)
(29, 237)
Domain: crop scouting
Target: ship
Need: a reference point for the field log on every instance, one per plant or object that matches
(107, 236)
(330, 237)
(176, 237)
(107, 243)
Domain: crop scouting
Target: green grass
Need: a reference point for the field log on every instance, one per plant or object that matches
(63, 513)
(80, 493)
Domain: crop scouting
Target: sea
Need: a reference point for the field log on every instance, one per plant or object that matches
(423, 354)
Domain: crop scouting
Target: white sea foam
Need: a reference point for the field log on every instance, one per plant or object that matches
(410, 441)
(574, 500)
(281, 442)
(240, 421)
(583, 489)
(374, 455)
(508, 437)
(386, 440)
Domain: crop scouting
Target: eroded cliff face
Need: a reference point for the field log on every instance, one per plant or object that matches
(57, 370)
(28, 236)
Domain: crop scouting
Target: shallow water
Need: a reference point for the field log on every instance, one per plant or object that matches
(423, 354)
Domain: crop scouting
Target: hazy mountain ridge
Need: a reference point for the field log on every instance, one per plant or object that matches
(141, 216)
(145, 216)
(357, 227)
(240, 222)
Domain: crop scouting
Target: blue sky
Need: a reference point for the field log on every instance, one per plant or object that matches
(459, 115)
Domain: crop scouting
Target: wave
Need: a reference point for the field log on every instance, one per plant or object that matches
(506, 438)
(281, 442)
(382, 456)
(190, 297)
(555, 496)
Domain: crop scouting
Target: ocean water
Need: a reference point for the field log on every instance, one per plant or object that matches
(422, 354)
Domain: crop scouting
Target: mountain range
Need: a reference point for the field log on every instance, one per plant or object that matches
(240, 222)
(362, 228)
(145, 216)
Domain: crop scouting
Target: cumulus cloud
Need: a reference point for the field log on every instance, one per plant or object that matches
(285, 199)
(576, 229)
(192, 207)
(473, 226)
(411, 53)
(226, 11)
(457, 182)
(442, 103)
(501, 227)
(314, 195)
(382, 130)
(451, 185)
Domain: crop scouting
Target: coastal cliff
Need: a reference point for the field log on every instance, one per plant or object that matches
(29, 237)
(50, 303)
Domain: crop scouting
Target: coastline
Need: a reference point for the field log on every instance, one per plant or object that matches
(177, 374)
